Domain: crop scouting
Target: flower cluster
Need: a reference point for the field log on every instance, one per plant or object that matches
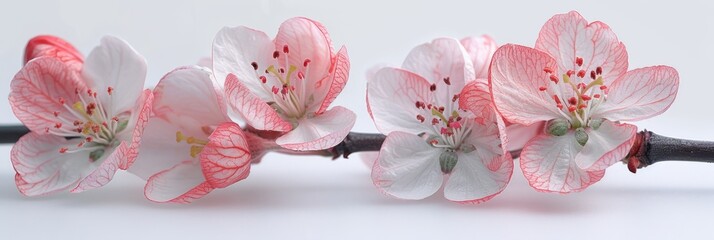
(451, 113)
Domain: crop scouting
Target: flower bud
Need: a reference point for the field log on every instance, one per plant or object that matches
(558, 127)
(447, 161)
(581, 136)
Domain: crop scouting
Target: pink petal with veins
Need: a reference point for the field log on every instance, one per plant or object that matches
(51, 46)
(103, 173)
(182, 183)
(339, 77)
(392, 95)
(607, 145)
(142, 110)
(439, 59)
(226, 158)
(254, 110)
(480, 50)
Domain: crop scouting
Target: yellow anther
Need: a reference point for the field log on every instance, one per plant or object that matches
(179, 136)
(566, 78)
(193, 140)
(195, 150)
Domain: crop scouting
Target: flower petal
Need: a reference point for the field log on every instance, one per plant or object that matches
(307, 39)
(51, 46)
(392, 95)
(159, 149)
(36, 93)
(442, 58)
(476, 98)
(338, 79)
(516, 76)
(141, 114)
(519, 135)
(567, 36)
(407, 168)
(225, 159)
(478, 176)
(117, 65)
(480, 50)
(181, 183)
(41, 169)
(234, 51)
(104, 172)
(254, 110)
(320, 132)
(607, 145)
(639, 94)
(548, 165)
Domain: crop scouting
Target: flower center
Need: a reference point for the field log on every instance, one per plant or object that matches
(449, 123)
(576, 93)
(287, 83)
(89, 121)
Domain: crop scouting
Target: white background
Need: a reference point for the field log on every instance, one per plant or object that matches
(315, 198)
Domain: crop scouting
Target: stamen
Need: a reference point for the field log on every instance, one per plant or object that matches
(286, 49)
(306, 62)
(110, 90)
(255, 65)
(447, 81)
(554, 79)
(420, 118)
(548, 70)
(579, 61)
(598, 70)
(433, 87)
(593, 75)
(63, 150)
(581, 73)
(542, 89)
(263, 79)
(276, 54)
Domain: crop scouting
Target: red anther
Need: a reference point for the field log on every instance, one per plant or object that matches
(581, 73)
(542, 88)
(434, 142)
(458, 118)
(77, 123)
(444, 130)
(597, 95)
(292, 88)
(255, 65)
(420, 118)
(263, 79)
(105, 124)
(603, 87)
(455, 125)
(63, 150)
(306, 62)
(419, 104)
(582, 86)
(554, 79)
(301, 75)
(110, 90)
(582, 106)
(284, 90)
(95, 128)
(429, 106)
(548, 70)
(556, 99)
(559, 105)
(76, 91)
(58, 125)
(455, 97)
(432, 87)
(592, 75)
(282, 70)
(47, 130)
(570, 73)
(275, 90)
(55, 113)
(61, 100)
(441, 109)
(80, 144)
(447, 80)
(89, 92)
(78, 130)
(579, 61)
(434, 121)
(571, 108)
(286, 49)
(572, 100)
(89, 139)
(94, 94)
(116, 119)
(598, 70)
(585, 97)
(276, 54)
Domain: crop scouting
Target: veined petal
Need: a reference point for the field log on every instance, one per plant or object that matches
(516, 76)
(58, 48)
(478, 176)
(254, 110)
(117, 65)
(135, 128)
(567, 36)
(225, 159)
(320, 132)
(234, 51)
(519, 135)
(392, 95)
(480, 50)
(104, 170)
(640, 94)
(38, 91)
(181, 183)
(442, 58)
(159, 149)
(338, 79)
(307, 39)
(42, 169)
(407, 168)
(476, 98)
(548, 163)
(610, 143)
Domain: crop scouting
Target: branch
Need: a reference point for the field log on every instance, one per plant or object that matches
(11, 134)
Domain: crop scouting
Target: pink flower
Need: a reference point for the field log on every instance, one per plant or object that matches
(190, 146)
(576, 81)
(430, 134)
(86, 118)
(286, 84)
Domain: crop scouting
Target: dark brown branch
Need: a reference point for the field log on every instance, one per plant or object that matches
(651, 148)
(11, 134)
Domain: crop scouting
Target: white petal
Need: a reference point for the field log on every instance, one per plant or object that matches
(407, 167)
(181, 183)
(115, 64)
(159, 149)
(320, 132)
(607, 145)
(443, 57)
(235, 49)
(478, 176)
(392, 95)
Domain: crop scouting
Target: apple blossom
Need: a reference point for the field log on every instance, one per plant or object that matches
(576, 82)
(436, 131)
(86, 118)
(286, 84)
